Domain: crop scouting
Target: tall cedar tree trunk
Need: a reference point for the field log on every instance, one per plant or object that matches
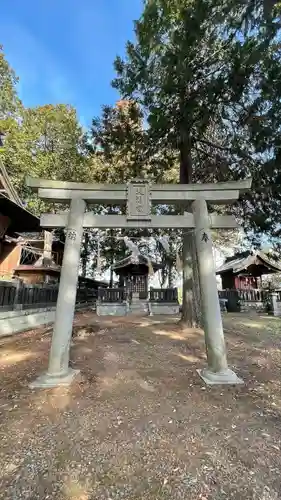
(111, 258)
(85, 254)
(111, 251)
(170, 275)
(191, 303)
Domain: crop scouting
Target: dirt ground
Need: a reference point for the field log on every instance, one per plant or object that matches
(138, 423)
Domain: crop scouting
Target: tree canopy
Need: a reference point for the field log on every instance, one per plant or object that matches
(118, 138)
(207, 76)
(44, 141)
(199, 101)
(9, 101)
(48, 142)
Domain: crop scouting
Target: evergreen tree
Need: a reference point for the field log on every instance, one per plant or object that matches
(46, 142)
(9, 102)
(206, 73)
(119, 141)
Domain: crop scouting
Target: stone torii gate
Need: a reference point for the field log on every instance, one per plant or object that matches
(139, 196)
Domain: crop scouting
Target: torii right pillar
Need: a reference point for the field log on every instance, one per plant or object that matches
(217, 371)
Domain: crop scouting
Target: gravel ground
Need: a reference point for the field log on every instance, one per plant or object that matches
(138, 423)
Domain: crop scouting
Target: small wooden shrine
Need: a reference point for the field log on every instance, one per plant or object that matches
(244, 270)
(14, 218)
(133, 272)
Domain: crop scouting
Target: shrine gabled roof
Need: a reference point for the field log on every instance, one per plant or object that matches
(240, 262)
(12, 206)
(6, 186)
(21, 219)
(136, 260)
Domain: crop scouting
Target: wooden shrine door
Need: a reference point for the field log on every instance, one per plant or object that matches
(137, 284)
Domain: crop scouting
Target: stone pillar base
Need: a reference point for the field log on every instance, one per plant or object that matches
(47, 381)
(225, 377)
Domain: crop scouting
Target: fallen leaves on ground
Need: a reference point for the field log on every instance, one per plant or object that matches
(138, 423)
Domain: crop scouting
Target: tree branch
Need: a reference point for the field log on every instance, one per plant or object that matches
(227, 149)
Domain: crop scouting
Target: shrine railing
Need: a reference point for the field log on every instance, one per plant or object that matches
(237, 298)
(252, 295)
(17, 295)
(111, 294)
(86, 293)
(163, 295)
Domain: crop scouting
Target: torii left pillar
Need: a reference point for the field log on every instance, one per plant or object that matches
(59, 372)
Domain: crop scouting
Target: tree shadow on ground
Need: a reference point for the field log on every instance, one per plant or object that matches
(138, 419)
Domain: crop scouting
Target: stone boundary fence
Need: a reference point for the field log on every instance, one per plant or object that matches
(24, 306)
(119, 302)
(276, 303)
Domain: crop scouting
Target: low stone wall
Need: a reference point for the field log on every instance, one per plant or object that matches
(21, 320)
(148, 308)
(111, 308)
(164, 308)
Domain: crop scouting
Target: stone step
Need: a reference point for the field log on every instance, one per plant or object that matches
(140, 307)
(133, 306)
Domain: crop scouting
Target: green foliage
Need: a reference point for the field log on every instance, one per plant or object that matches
(116, 140)
(121, 143)
(200, 90)
(207, 76)
(9, 101)
(46, 142)
(119, 139)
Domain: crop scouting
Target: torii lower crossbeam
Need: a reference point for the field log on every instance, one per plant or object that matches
(90, 219)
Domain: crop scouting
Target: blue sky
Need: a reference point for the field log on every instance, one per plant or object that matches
(63, 50)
